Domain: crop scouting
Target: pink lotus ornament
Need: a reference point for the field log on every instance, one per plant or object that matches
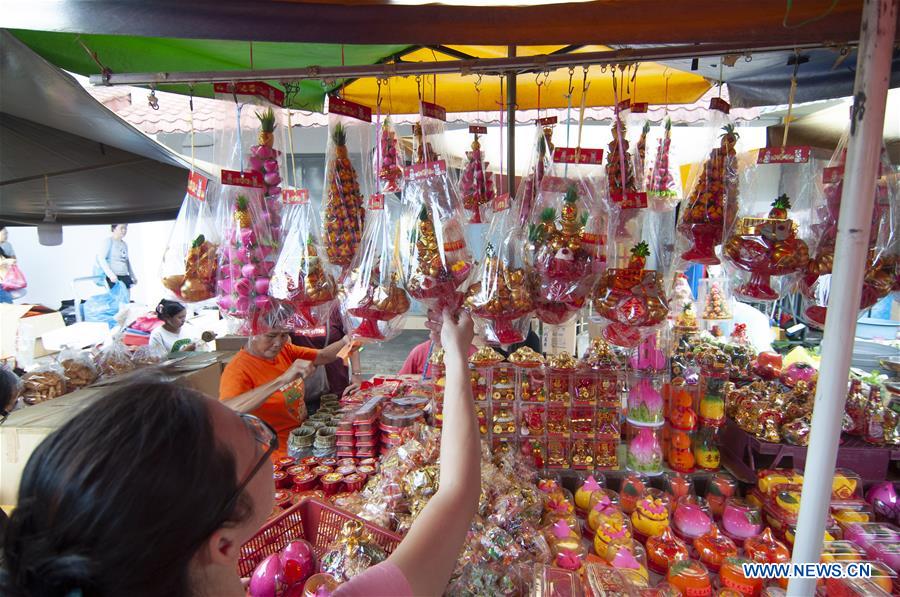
(644, 452)
(249, 271)
(883, 498)
(645, 403)
(248, 237)
(242, 287)
(255, 163)
(648, 357)
(270, 166)
(262, 285)
(691, 520)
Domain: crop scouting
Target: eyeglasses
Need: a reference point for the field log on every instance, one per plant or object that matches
(266, 436)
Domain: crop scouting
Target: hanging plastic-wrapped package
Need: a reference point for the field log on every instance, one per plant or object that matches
(625, 196)
(189, 263)
(347, 178)
(301, 277)
(639, 123)
(631, 300)
(387, 159)
(763, 245)
(663, 183)
(567, 234)
(438, 261)
(501, 295)
(476, 184)
(881, 262)
(248, 251)
(709, 208)
(538, 167)
(248, 141)
(374, 302)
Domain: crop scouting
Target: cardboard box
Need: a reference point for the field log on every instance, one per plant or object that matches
(232, 343)
(27, 427)
(13, 323)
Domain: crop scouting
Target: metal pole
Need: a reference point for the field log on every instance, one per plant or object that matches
(497, 66)
(511, 127)
(863, 159)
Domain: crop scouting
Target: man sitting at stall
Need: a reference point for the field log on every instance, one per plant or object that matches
(265, 378)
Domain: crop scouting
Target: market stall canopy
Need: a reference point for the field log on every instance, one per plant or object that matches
(452, 22)
(66, 156)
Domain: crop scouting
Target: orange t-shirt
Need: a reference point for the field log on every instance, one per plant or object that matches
(285, 409)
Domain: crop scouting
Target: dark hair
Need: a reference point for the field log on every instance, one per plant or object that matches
(167, 308)
(113, 227)
(112, 503)
(9, 389)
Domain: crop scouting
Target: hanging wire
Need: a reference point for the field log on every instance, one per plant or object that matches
(378, 83)
(569, 114)
(584, 92)
(721, 76)
(502, 109)
(791, 95)
(191, 122)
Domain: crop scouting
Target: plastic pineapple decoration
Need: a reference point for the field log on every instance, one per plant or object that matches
(264, 159)
(620, 175)
(706, 212)
(766, 247)
(432, 280)
(344, 212)
(501, 296)
(631, 299)
(532, 182)
(389, 171)
(316, 287)
(476, 186)
(661, 184)
(247, 263)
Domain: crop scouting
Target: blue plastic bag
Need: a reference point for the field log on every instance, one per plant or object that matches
(104, 306)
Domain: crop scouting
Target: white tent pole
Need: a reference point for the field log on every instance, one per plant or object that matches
(873, 70)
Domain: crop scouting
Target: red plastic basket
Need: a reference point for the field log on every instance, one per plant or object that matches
(318, 522)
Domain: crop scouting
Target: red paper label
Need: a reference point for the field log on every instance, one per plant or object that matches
(566, 155)
(342, 107)
(630, 200)
(717, 103)
(623, 105)
(295, 196)
(376, 201)
(640, 108)
(435, 111)
(257, 88)
(501, 202)
(196, 186)
(477, 129)
(243, 179)
(546, 120)
(833, 175)
(426, 170)
(794, 154)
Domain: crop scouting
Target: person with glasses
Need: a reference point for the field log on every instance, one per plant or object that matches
(265, 377)
(155, 491)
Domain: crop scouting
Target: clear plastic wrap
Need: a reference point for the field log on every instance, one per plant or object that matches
(709, 208)
(631, 300)
(45, 382)
(567, 234)
(79, 368)
(388, 164)
(625, 197)
(476, 184)
(374, 302)
(189, 263)
(300, 276)
(347, 178)
(663, 183)
(763, 241)
(501, 294)
(248, 252)
(149, 355)
(882, 269)
(538, 167)
(114, 359)
(438, 261)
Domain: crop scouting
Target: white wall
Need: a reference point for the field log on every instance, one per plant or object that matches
(50, 270)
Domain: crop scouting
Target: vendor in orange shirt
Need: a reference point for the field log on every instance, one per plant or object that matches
(265, 378)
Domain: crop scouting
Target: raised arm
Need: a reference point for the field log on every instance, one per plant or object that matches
(329, 353)
(253, 399)
(428, 553)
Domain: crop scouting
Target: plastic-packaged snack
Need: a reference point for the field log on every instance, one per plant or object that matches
(764, 240)
(300, 276)
(663, 184)
(476, 184)
(374, 301)
(149, 355)
(248, 251)
(347, 178)
(188, 269)
(79, 368)
(882, 263)
(538, 167)
(45, 382)
(114, 359)
(709, 208)
(500, 296)
(568, 233)
(438, 260)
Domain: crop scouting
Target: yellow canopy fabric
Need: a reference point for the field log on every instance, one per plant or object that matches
(652, 83)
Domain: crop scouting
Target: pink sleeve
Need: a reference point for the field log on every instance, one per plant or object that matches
(415, 361)
(383, 579)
